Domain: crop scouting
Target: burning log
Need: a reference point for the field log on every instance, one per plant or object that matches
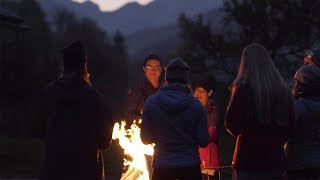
(131, 174)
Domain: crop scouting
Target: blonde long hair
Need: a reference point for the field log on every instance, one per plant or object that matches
(270, 92)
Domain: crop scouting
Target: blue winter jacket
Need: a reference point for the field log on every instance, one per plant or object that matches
(303, 148)
(176, 122)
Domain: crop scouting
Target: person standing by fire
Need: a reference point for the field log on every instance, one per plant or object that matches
(176, 122)
(79, 126)
(261, 116)
(210, 156)
(133, 107)
(303, 148)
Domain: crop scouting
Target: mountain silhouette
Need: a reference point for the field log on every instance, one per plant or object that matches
(132, 17)
(149, 28)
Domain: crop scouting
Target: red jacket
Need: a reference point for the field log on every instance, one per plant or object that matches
(258, 147)
(209, 155)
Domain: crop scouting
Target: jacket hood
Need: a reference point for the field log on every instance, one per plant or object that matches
(174, 98)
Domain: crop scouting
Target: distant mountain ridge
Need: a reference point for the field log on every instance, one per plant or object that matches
(151, 28)
(164, 40)
(132, 17)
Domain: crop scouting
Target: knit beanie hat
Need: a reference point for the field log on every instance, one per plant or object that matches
(314, 56)
(208, 84)
(74, 56)
(177, 71)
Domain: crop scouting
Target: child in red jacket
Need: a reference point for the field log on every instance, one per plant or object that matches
(210, 157)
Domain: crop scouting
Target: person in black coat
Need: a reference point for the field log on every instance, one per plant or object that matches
(133, 107)
(79, 126)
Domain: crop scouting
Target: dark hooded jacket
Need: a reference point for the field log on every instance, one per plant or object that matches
(176, 122)
(303, 148)
(137, 96)
(78, 130)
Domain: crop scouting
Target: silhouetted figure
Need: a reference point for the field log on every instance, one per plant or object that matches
(210, 156)
(176, 122)
(261, 116)
(303, 148)
(78, 125)
(133, 107)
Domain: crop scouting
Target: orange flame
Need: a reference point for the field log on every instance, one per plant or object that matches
(130, 142)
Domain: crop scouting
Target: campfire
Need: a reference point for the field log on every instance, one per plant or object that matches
(130, 142)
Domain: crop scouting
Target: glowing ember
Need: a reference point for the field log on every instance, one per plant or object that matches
(130, 141)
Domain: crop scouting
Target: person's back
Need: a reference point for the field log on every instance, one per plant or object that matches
(259, 148)
(176, 122)
(77, 130)
(260, 115)
(303, 148)
(175, 113)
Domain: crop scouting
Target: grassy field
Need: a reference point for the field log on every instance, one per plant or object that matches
(21, 158)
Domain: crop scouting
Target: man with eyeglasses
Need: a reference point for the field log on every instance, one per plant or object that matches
(133, 107)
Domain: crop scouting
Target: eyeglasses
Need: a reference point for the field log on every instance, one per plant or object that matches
(150, 68)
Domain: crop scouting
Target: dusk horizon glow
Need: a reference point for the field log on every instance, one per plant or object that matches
(113, 5)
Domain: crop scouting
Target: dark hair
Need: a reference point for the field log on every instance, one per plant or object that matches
(269, 91)
(151, 56)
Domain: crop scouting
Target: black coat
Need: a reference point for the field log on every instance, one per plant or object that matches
(137, 96)
(78, 130)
